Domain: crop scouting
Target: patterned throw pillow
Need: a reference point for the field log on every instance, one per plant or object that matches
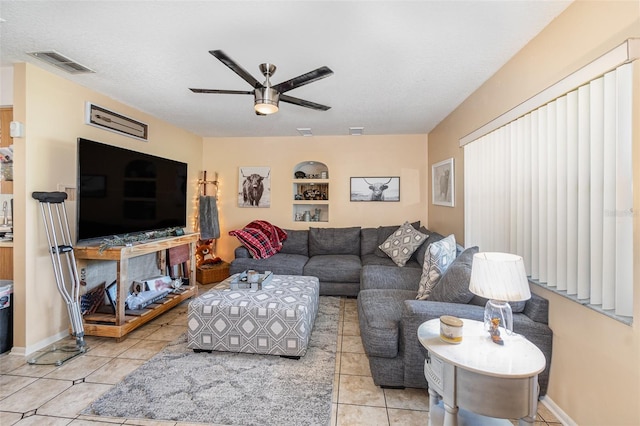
(402, 243)
(440, 255)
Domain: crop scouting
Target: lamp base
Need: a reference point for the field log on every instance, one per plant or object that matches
(498, 317)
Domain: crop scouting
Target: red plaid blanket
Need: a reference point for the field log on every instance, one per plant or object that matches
(261, 238)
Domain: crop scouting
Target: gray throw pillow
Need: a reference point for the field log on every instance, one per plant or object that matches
(436, 261)
(418, 256)
(453, 286)
(400, 245)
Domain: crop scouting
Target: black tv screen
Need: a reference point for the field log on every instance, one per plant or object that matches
(121, 191)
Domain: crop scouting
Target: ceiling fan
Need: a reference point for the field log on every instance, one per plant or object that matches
(266, 96)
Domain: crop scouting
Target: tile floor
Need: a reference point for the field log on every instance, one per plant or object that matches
(49, 395)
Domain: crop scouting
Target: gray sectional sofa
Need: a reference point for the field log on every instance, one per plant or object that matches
(390, 315)
(335, 255)
(348, 262)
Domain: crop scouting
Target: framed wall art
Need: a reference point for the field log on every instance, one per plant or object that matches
(254, 187)
(375, 188)
(442, 183)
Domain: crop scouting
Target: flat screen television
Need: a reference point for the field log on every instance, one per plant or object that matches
(121, 191)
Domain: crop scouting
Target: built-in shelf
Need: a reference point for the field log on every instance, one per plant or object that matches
(310, 192)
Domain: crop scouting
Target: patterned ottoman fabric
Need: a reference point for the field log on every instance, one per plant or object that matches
(276, 320)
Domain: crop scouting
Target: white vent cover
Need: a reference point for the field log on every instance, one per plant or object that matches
(304, 131)
(58, 60)
(108, 120)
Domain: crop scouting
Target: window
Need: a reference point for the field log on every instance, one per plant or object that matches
(555, 186)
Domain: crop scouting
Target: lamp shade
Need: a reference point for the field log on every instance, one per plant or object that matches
(499, 276)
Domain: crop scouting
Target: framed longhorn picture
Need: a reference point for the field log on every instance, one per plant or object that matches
(442, 179)
(375, 188)
(254, 188)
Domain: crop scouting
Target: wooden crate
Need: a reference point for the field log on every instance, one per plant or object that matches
(212, 273)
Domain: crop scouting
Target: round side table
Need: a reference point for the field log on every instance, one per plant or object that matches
(480, 376)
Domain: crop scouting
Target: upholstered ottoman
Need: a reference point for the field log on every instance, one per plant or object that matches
(276, 320)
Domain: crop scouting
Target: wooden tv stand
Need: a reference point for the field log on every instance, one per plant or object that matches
(118, 325)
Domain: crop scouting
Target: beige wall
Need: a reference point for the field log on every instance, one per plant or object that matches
(595, 371)
(346, 156)
(52, 110)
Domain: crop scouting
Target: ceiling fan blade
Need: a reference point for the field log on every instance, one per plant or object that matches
(236, 68)
(303, 103)
(226, 92)
(303, 79)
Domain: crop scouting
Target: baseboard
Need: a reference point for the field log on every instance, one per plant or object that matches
(557, 411)
(31, 349)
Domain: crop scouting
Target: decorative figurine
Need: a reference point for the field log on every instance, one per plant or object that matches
(494, 331)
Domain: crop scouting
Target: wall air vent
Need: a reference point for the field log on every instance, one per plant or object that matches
(108, 120)
(60, 61)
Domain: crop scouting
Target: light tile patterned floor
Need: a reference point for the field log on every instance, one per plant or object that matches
(50, 395)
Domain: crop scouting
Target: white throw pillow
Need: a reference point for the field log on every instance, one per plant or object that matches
(400, 245)
(439, 256)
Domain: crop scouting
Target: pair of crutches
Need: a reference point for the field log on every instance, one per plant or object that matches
(56, 226)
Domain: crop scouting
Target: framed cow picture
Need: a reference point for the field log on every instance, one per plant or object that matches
(375, 188)
(442, 179)
(254, 187)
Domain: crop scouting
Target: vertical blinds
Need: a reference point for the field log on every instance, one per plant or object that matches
(555, 186)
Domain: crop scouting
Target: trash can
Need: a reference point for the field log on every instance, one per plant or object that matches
(6, 315)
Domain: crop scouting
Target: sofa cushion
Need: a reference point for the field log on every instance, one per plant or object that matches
(334, 241)
(436, 261)
(383, 234)
(390, 278)
(453, 286)
(368, 241)
(297, 242)
(334, 268)
(373, 259)
(279, 264)
(379, 314)
(402, 243)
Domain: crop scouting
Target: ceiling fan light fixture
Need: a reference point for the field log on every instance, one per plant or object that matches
(266, 100)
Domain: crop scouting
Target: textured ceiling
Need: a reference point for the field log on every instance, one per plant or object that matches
(400, 67)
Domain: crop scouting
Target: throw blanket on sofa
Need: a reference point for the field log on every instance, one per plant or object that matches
(261, 238)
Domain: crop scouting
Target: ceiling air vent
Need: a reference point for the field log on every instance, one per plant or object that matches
(356, 131)
(57, 60)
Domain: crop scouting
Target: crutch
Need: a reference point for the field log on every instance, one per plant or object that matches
(56, 227)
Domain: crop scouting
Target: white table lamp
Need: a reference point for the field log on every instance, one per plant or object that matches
(501, 278)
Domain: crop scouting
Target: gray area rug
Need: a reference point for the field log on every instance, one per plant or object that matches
(232, 388)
